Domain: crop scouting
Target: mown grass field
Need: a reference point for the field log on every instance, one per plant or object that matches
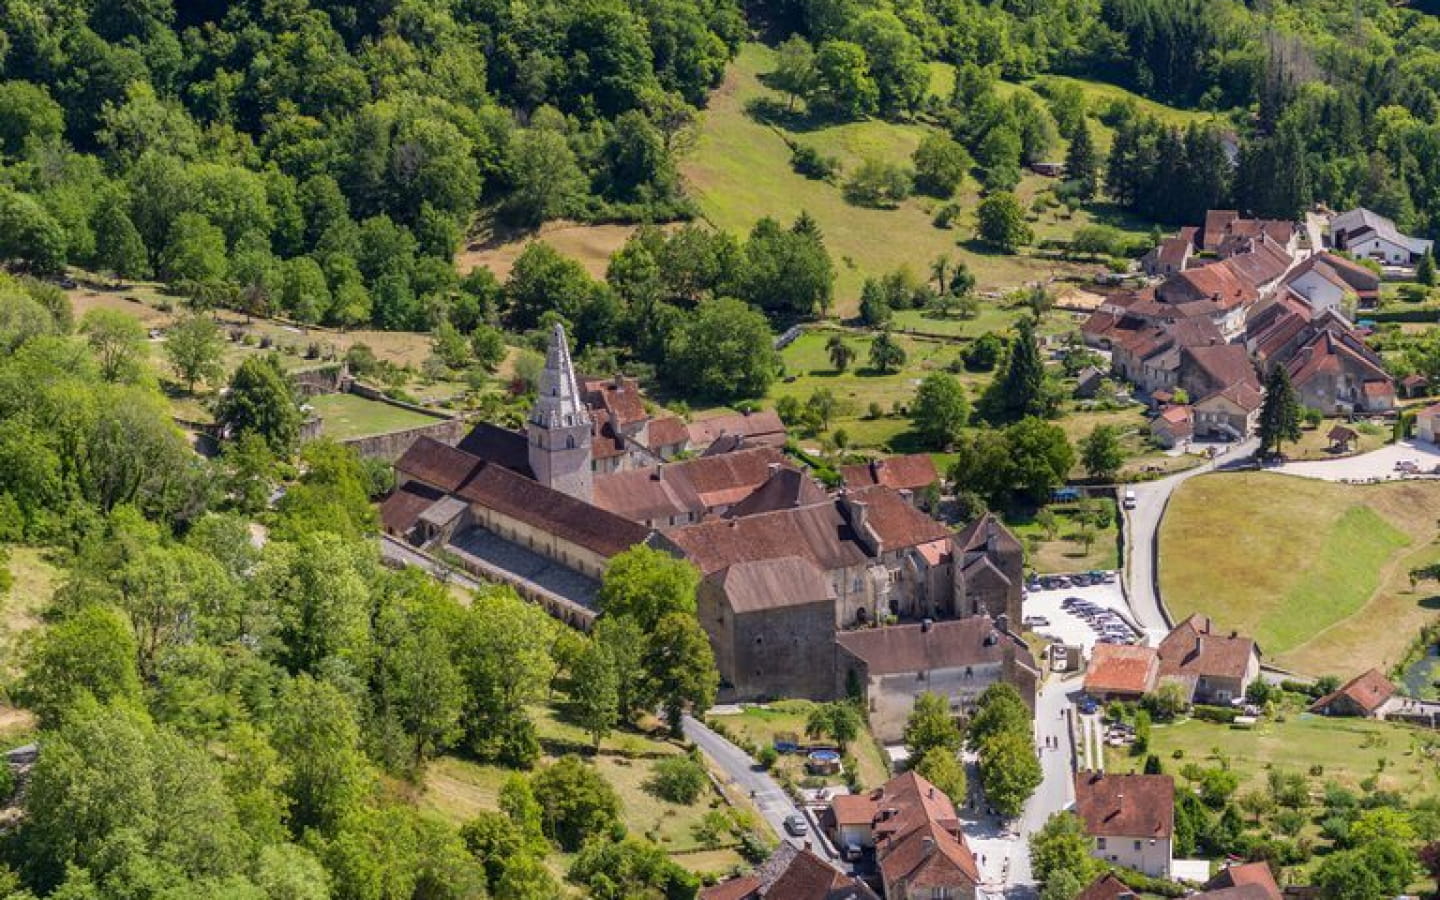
(1066, 553)
(1316, 572)
(739, 171)
(349, 416)
(1347, 751)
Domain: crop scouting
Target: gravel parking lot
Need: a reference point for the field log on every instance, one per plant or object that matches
(1070, 628)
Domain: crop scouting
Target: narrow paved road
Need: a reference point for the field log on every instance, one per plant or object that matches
(1052, 711)
(774, 804)
(1142, 532)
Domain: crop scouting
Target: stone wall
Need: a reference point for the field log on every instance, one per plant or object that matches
(331, 379)
(392, 446)
(784, 652)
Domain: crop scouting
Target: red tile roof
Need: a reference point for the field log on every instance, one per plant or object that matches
(913, 472)
(1132, 806)
(1368, 690)
(1221, 282)
(762, 427)
(690, 486)
(667, 431)
(1122, 669)
(1253, 873)
(1194, 650)
(1107, 887)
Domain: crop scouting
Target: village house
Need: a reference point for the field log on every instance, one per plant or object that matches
(1248, 881)
(1427, 424)
(1130, 819)
(791, 873)
(1215, 668)
(1230, 414)
(1121, 672)
(1212, 667)
(913, 475)
(1370, 235)
(624, 434)
(1330, 365)
(760, 428)
(1325, 281)
(1207, 368)
(956, 659)
(1173, 426)
(913, 830)
(1414, 385)
(1171, 255)
(1363, 696)
(1107, 887)
(1227, 225)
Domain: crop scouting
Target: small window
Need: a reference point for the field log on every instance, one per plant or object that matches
(1099, 843)
(1137, 846)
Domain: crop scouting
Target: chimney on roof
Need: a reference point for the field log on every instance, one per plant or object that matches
(772, 468)
(875, 466)
(929, 844)
(808, 846)
(926, 624)
(1002, 622)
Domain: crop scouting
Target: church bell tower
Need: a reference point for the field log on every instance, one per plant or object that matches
(559, 426)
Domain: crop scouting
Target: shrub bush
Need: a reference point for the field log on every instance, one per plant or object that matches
(811, 163)
(1223, 715)
(679, 779)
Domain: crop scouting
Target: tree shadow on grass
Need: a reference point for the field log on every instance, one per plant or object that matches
(982, 248)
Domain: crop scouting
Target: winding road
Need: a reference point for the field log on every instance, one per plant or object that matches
(772, 801)
(1142, 534)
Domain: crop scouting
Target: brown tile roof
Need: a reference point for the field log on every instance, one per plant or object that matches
(1220, 282)
(762, 427)
(818, 533)
(667, 431)
(1342, 434)
(791, 873)
(402, 509)
(569, 519)
(1238, 892)
(1224, 364)
(1368, 690)
(438, 465)
(853, 809)
(1252, 873)
(947, 644)
(773, 584)
(985, 530)
(618, 396)
(1328, 353)
(1258, 260)
(1242, 395)
(893, 522)
(929, 856)
(1133, 806)
(1217, 225)
(743, 888)
(1107, 887)
(913, 472)
(784, 489)
(688, 486)
(1174, 251)
(1178, 415)
(1194, 650)
(1122, 669)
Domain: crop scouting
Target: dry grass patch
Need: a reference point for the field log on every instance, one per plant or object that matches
(1316, 572)
(589, 245)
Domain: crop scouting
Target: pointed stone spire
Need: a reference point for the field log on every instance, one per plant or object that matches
(559, 404)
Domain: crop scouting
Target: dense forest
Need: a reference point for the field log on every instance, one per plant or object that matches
(324, 160)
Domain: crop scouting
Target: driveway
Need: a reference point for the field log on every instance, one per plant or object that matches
(1377, 464)
(1142, 530)
(774, 804)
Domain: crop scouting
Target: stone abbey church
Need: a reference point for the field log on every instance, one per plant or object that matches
(788, 567)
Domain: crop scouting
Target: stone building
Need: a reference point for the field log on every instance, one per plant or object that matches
(957, 659)
(990, 570)
(559, 426)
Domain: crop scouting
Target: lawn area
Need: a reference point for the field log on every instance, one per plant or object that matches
(1348, 751)
(1314, 444)
(739, 171)
(349, 416)
(760, 725)
(1316, 572)
(1066, 553)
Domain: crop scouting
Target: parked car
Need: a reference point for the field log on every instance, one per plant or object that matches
(1129, 498)
(796, 825)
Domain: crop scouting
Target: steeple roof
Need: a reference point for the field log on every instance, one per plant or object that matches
(559, 404)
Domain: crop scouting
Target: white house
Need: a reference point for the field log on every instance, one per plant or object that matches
(1427, 424)
(1368, 234)
(1130, 819)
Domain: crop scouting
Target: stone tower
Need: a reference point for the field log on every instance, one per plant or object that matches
(559, 426)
